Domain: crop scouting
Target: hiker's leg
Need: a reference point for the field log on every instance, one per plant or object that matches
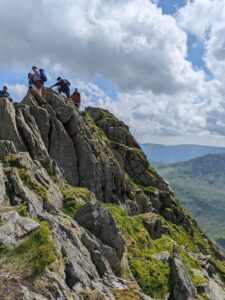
(39, 91)
(67, 92)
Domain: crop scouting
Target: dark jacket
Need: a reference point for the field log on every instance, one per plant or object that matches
(63, 85)
(4, 94)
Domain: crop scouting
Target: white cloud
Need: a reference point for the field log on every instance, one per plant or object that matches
(17, 91)
(130, 43)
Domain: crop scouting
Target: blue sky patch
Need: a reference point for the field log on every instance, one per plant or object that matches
(170, 7)
(108, 87)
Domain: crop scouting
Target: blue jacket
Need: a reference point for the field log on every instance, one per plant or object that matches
(4, 94)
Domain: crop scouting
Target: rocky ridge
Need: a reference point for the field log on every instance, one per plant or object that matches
(84, 216)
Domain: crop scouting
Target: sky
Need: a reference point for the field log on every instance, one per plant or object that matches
(158, 65)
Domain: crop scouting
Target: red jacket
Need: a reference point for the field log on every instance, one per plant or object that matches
(76, 98)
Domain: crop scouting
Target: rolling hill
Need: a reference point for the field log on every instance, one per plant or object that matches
(173, 154)
(200, 185)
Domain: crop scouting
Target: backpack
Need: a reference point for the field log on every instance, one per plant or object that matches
(43, 75)
(67, 82)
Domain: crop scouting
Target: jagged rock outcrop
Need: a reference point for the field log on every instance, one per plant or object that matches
(183, 288)
(155, 226)
(99, 221)
(15, 228)
(84, 216)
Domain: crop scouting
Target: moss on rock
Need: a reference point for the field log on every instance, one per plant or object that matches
(74, 198)
(32, 256)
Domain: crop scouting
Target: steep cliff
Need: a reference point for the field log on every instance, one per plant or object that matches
(84, 215)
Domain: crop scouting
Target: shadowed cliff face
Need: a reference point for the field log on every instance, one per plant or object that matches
(84, 215)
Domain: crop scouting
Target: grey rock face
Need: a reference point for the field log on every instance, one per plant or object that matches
(116, 130)
(61, 149)
(96, 253)
(163, 256)
(31, 134)
(59, 105)
(20, 193)
(79, 267)
(99, 221)
(2, 185)
(183, 288)
(154, 226)
(6, 147)
(15, 228)
(41, 117)
(10, 132)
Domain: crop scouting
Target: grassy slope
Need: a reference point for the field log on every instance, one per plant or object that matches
(199, 184)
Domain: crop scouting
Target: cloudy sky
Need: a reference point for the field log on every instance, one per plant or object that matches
(158, 65)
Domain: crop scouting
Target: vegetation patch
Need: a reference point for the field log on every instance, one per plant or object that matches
(23, 210)
(31, 184)
(74, 198)
(151, 274)
(50, 169)
(92, 295)
(32, 256)
(14, 163)
(198, 280)
(129, 293)
(145, 189)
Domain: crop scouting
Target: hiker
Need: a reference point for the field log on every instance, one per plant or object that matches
(64, 86)
(4, 93)
(31, 84)
(39, 78)
(76, 98)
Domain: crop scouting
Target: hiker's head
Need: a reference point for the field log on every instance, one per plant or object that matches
(59, 79)
(5, 89)
(30, 76)
(34, 68)
(76, 89)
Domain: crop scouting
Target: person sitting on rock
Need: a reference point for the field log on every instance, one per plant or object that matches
(64, 86)
(76, 98)
(38, 82)
(4, 93)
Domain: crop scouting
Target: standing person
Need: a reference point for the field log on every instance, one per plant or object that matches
(31, 83)
(4, 93)
(64, 86)
(76, 98)
(38, 83)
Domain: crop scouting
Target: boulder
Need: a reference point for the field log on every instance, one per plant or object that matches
(100, 222)
(163, 256)
(182, 286)
(15, 229)
(155, 226)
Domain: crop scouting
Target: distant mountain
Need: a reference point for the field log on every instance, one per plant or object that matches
(200, 185)
(172, 154)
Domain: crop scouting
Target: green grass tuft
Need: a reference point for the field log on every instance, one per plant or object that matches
(71, 196)
(32, 256)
